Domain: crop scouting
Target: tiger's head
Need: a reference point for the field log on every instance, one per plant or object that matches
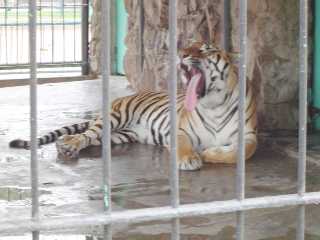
(208, 74)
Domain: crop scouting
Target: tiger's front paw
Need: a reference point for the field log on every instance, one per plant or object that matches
(68, 146)
(190, 162)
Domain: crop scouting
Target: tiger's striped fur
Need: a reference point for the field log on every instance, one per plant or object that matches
(208, 133)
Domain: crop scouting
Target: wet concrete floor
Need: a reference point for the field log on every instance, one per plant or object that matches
(140, 174)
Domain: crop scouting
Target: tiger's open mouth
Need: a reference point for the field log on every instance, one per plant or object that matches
(195, 82)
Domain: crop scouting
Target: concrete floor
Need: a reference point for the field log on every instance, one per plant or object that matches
(140, 174)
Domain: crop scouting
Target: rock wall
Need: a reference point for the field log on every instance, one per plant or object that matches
(273, 31)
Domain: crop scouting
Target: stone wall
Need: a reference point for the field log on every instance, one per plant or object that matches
(272, 53)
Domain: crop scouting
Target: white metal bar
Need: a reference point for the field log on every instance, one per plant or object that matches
(241, 177)
(226, 26)
(303, 85)
(240, 230)
(106, 134)
(33, 113)
(159, 213)
(301, 223)
(242, 100)
(174, 173)
(105, 71)
(174, 178)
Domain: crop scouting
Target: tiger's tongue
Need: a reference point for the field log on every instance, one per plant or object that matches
(191, 94)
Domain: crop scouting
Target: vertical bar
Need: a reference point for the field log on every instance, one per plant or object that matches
(240, 226)
(41, 30)
(106, 134)
(6, 27)
(226, 26)
(242, 96)
(174, 178)
(303, 78)
(241, 106)
(303, 85)
(85, 37)
(63, 33)
(301, 223)
(141, 30)
(33, 118)
(74, 30)
(52, 33)
(17, 31)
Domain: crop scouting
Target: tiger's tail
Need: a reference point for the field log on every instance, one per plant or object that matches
(52, 136)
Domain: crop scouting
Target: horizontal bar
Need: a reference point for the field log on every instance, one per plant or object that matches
(158, 213)
(24, 82)
(44, 6)
(40, 65)
(66, 23)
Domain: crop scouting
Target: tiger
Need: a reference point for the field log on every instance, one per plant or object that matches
(207, 113)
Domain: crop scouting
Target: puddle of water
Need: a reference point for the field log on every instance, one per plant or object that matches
(10, 194)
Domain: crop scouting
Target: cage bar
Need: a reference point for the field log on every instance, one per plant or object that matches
(303, 85)
(174, 172)
(226, 25)
(33, 114)
(240, 184)
(52, 32)
(106, 131)
(85, 37)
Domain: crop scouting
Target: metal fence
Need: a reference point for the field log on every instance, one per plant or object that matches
(62, 33)
(175, 211)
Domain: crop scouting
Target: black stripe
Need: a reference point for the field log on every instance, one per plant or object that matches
(127, 106)
(233, 133)
(143, 99)
(68, 130)
(187, 134)
(118, 119)
(194, 132)
(53, 136)
(155, 120)
(58, 132)
(154, 137)
(225, 66)
(228, 118)
(211, 129)
(162, 122)
(41, 141)
(248, 118)
(156, 109)
(76, 128)
(218, 59)
(157, 99)
(129, 139)
(47, 139)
